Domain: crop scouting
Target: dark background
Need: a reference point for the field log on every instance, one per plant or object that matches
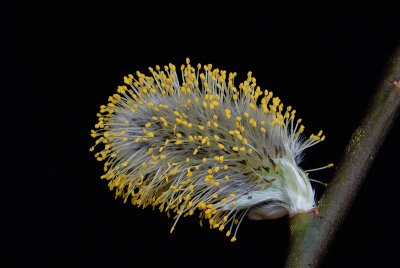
(60, 63)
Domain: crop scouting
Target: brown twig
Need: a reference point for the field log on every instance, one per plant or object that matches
(311, 235)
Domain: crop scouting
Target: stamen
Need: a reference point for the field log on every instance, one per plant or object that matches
(320, 168)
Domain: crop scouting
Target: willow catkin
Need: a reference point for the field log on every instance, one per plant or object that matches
(198, 143)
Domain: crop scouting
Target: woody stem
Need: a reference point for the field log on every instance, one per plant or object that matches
(311, 235)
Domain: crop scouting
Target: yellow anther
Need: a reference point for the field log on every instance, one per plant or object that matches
(235, 148)
(228, 113)
(330, 165)
(233, 239)
(253, 122)
(148, 124)
(173, 171)
(127, 80)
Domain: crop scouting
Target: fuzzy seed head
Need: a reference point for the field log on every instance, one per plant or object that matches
(190, 141)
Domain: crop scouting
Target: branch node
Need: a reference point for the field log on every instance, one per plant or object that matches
(396, 85)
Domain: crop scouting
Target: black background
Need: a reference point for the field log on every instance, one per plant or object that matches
(60, 63)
